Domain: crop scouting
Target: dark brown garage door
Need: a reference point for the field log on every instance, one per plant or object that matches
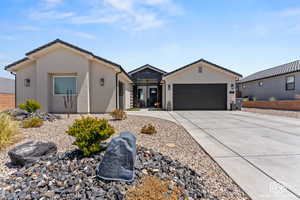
(199, 96)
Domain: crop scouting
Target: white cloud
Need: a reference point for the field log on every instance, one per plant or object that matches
(137, 15)
(290, 12)
(52, 3)
(51, 14)
(84, 35)
(29, 28)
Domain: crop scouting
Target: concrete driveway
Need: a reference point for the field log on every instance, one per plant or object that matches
(260, 152)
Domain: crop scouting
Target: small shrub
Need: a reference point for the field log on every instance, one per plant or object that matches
(33, 123)
(89, 133)
(30, 106)
(272, 99)
(118, 114)
(8, 130)
(148, 129)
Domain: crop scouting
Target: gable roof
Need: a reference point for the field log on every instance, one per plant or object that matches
(58, 41)
(205, 61)
(275, 71)
(146, 66)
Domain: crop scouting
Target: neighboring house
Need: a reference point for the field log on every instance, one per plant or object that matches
(281, 82)
(147, 88)
(51, 71)
(7, 93)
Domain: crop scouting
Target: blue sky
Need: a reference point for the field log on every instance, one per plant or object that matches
(245, 36)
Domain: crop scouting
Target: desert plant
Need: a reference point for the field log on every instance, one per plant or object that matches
(8, 130)
(148, 129)
(89, 132)
(69, 102)
(33, 123)
(254, 99)
(118, 114)
(30, 105)
(272, 99)
(133, 109)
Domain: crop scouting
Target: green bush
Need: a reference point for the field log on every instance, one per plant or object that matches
(149, 129)
(89, 132)
(8, 130)
(272, 99)
(118, 114)
(30, 106)
(33, 123)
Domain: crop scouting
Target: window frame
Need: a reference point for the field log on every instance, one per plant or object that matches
(64, 76)
(286, 83)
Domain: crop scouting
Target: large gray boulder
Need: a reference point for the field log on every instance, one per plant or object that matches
(119, 158)
(30, 152)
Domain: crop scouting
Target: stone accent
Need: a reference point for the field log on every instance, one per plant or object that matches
(276, 105)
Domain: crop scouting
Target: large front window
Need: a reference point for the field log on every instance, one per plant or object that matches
(64, 85)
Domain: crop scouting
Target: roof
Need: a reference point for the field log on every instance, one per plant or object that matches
(275, 71)
(205, 61)
(7, 85)
(147, 66)
(68, 45)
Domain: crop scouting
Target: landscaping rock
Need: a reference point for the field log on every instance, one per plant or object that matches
(73, 176)
(21, 115)
(30, 152)
(119, 159)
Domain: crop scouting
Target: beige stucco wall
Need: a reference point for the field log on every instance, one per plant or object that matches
(103, 98)
(23, 93)
(60, 61)
(190, 75)
(127, 91)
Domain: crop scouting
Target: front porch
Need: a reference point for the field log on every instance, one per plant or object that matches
(147, 96)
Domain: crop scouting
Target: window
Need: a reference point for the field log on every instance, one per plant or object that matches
(200, 69)
(64, 85)
(260, 83)
(290, 83)
(27, 82)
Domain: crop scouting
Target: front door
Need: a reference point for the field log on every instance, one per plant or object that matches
(121, 96)
(152, 96)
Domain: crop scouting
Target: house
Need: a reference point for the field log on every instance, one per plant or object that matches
(281, 82)
(48, 73)
(147, 88)
(52, 71)
(7, 93)
(201, 85)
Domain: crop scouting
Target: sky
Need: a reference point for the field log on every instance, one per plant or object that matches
(242, 35)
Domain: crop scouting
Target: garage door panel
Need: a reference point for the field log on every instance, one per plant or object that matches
(200, 96)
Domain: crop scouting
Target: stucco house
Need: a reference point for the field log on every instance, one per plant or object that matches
(51, 71)
(281, 82)
(47, 73)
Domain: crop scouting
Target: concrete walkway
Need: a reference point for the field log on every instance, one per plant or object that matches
(260, 152)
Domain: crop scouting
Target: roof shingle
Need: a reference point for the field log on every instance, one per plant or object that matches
(275, 71)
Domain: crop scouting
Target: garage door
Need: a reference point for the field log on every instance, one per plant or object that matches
(199, 96)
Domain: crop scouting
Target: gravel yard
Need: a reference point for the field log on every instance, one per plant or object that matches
(171, 140)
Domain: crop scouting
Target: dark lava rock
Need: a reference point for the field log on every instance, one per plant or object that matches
(119, 158)
(21, 115)
(71, 175)
(30, 152)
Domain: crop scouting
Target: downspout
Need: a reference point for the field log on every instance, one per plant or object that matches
(117, 86)
(15, 88)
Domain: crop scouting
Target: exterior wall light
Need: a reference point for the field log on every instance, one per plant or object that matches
(102, 81)
(27, 82)
(169, 87)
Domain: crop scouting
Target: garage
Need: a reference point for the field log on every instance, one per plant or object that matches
(200, 96)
